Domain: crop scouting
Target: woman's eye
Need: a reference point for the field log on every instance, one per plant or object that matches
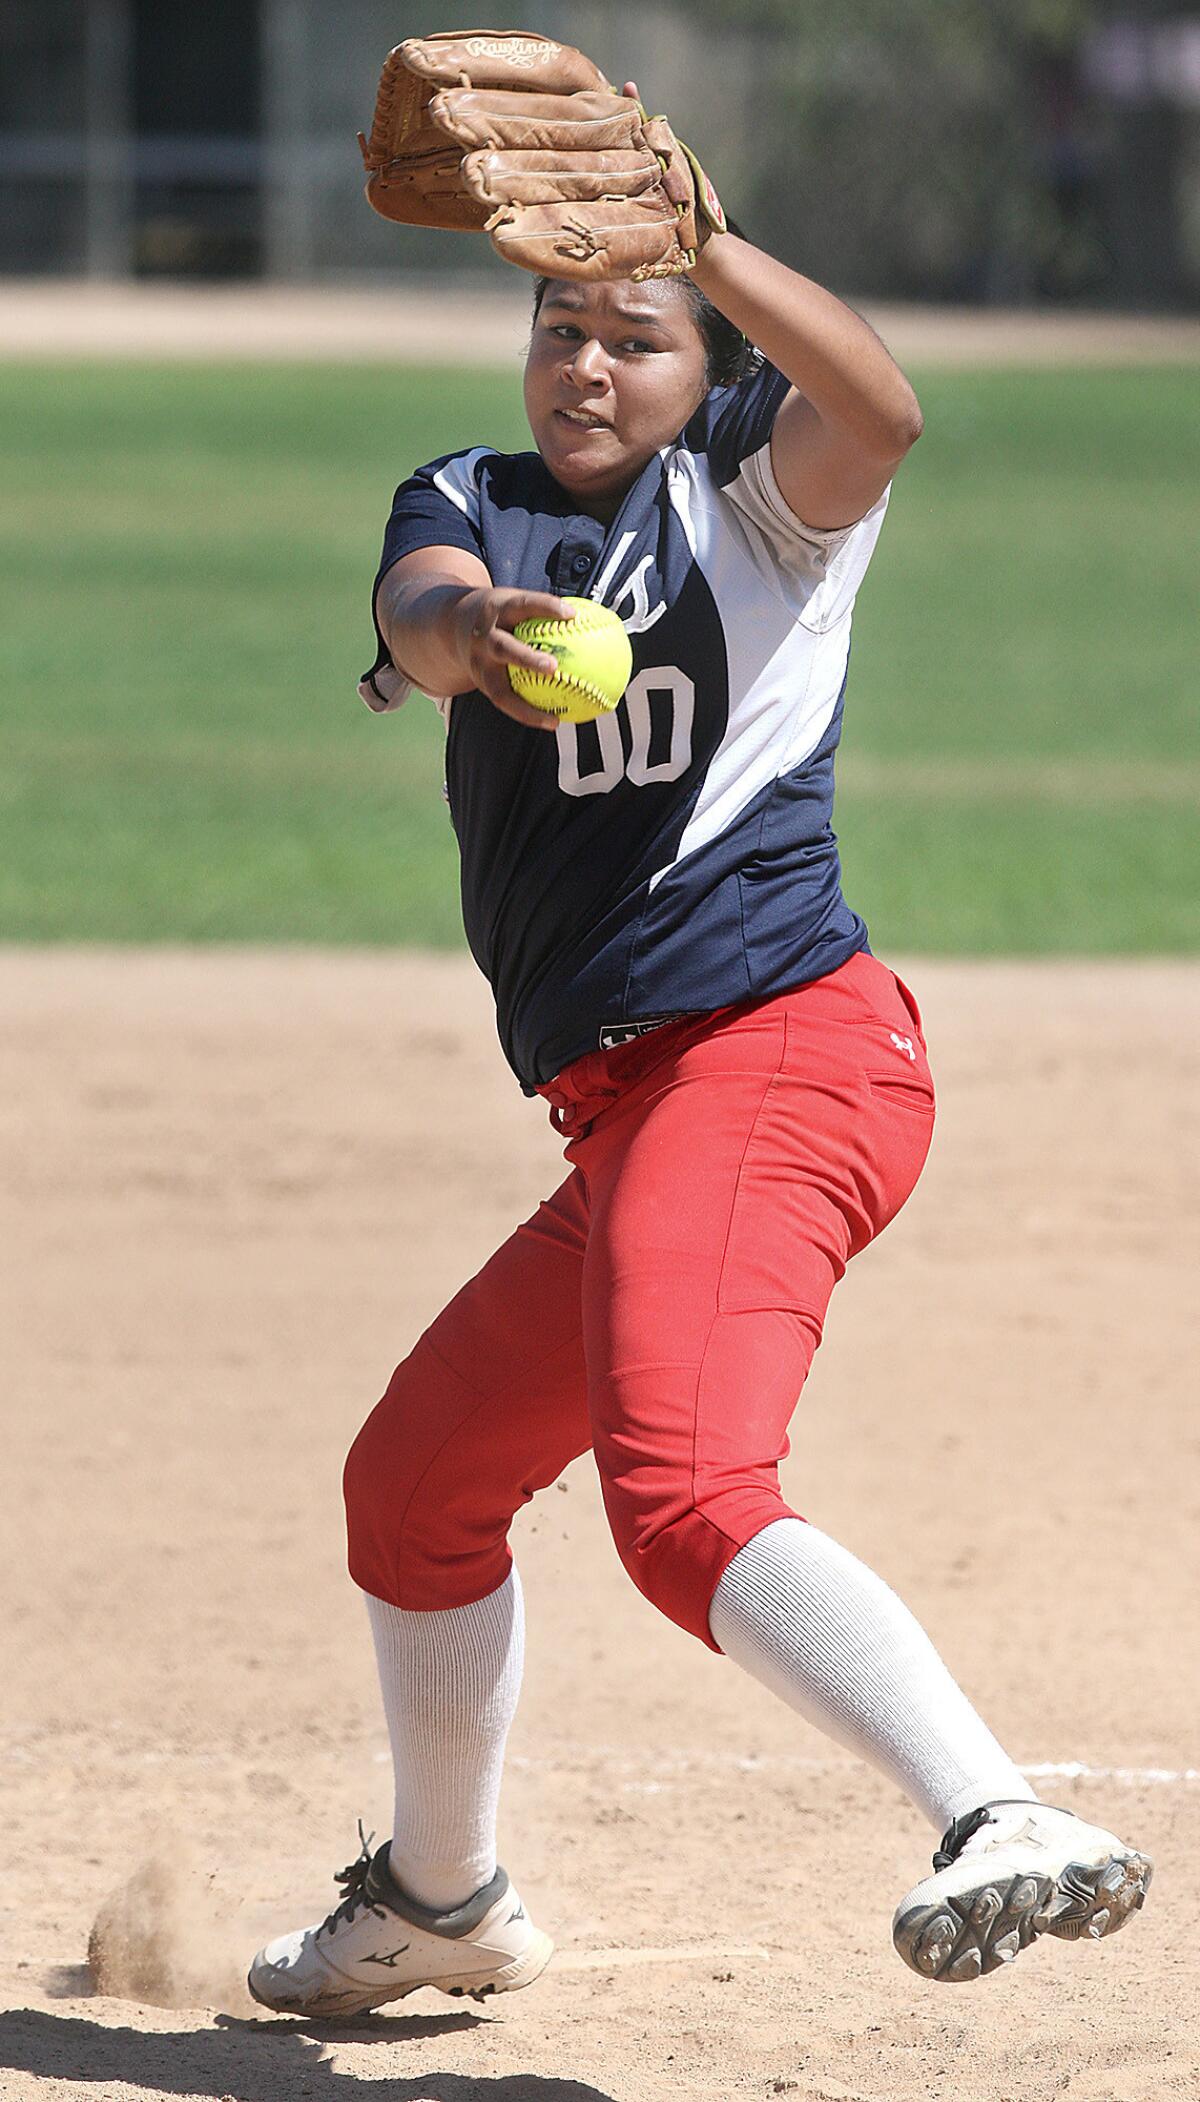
(567, 332)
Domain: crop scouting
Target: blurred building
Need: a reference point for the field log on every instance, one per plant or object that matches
(939, 149)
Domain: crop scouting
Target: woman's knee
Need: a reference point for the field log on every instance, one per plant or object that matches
(437, 1471)
(424, 1528)
(676, 1543)
(689, 1457)
(372, 1476)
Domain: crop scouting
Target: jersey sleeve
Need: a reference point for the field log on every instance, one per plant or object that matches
(732, 423)
(829, 566)
(438, 506)
(732, 431)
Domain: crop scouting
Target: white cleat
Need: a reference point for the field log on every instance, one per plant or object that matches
(1007, 1873)
(379, 1945)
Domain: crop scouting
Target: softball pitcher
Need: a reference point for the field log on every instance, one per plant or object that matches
(743, 1087)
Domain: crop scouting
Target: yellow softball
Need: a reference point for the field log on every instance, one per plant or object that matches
(594, 663)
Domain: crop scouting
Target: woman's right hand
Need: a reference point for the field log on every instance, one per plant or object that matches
(484, 622)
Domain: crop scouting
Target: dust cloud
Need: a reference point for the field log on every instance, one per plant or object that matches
(170, 1937)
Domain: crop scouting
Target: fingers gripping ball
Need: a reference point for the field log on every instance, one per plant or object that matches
(594, 663)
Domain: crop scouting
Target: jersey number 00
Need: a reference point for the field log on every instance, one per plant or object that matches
(661, 709)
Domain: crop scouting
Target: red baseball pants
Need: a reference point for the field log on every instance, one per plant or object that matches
(663, 1307)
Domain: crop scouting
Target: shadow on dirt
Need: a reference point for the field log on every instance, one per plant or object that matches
(249, 2061)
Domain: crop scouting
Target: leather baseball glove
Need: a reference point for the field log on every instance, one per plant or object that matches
(525, 139)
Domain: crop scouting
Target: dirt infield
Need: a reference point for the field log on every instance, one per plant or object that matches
(484, 324)
(234, 1186)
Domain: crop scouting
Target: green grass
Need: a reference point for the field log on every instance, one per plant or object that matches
(185, 564)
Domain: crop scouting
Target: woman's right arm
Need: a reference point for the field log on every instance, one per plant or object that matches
(449, 628)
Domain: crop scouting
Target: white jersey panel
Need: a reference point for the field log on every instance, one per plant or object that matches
(459, 480)
(786, 671)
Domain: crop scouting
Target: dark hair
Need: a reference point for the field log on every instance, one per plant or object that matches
(729, 356)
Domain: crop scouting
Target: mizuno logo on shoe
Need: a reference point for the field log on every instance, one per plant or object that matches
(389, 1960)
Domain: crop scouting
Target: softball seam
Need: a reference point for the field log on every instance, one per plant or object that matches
(567, 686)
(541, 634)
(586, 623)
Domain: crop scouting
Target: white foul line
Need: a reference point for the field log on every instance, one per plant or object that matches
(1128, 1776)
(662, 1773)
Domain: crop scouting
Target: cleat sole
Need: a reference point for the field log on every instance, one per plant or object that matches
(957, 1938)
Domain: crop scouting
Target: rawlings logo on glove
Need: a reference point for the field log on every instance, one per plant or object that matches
(526, 51)
(525, 139)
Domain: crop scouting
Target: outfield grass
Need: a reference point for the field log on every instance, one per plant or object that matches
(184, 584)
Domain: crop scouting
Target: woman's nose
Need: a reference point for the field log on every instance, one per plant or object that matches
(590, 363)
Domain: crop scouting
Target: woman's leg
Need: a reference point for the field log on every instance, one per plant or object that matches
(727, 1201)
(727, 1198)
(815, 1625)
(490, 1407)
(450, 1682)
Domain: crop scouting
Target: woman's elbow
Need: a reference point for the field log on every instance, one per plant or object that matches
(894, 439)
(914, 426)
(907, 425)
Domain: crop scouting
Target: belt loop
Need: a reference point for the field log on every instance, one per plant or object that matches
(564, 1115)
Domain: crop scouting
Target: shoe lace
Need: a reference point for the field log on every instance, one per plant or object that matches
(353, 1880)
(955, 1837)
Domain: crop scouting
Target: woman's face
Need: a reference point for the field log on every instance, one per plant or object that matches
(614, 371)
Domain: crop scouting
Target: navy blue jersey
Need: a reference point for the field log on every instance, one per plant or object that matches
(677, 856)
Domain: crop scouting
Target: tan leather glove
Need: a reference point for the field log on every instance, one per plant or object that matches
(526, 139)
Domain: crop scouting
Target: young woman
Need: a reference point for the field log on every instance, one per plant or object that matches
(744, 1089)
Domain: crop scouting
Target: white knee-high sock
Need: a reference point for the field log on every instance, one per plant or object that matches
(450, 1683)
(807, 1619)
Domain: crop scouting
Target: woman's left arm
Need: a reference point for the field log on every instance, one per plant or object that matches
(842, 432)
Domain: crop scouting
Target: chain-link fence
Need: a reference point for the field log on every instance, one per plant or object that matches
(986, 150)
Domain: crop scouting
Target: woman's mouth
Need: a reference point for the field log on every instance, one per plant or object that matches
(580, 420)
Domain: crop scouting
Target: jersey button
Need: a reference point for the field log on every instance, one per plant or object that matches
(580, 565)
